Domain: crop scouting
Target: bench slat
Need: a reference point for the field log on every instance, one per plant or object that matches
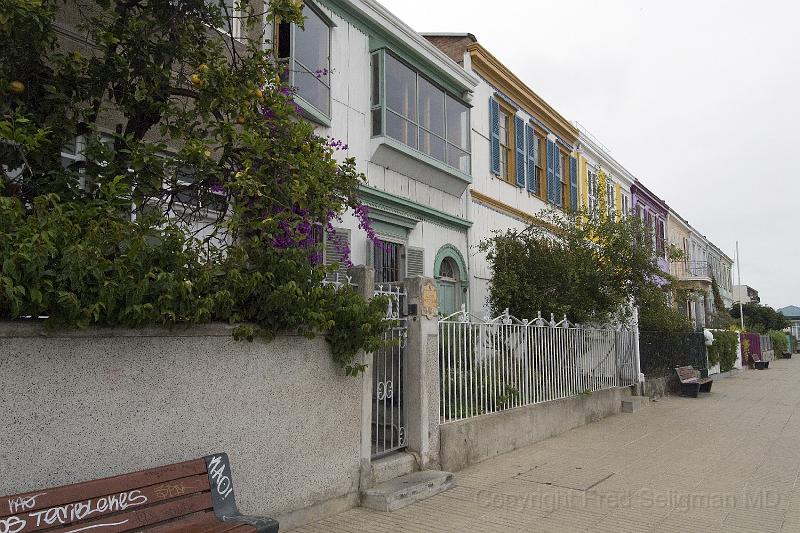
(224, 527)
(136, 520)
(187, 524)
(146, 495)
(27, 502)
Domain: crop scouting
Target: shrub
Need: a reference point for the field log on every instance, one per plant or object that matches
(723, 350)
(779, 343)
(206, 203)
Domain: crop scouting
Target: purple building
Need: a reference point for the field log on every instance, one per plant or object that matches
(653, 210)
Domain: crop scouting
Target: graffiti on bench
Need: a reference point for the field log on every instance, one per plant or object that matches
(66, 514)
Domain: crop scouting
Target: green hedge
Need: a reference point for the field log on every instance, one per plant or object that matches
(723, 350)
(779, 344)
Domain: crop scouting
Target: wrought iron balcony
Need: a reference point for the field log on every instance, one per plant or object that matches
(691, 270)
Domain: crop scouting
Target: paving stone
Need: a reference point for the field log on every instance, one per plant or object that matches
(728, 461)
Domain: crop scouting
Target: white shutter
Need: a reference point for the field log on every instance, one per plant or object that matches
(334, 254)
(415, 261)
(370, 257)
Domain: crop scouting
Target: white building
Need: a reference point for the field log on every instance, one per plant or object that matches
(605, 185)
(523, 154)
(402, 108)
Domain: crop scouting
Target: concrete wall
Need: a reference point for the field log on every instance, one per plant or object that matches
(84, 405)
(472, 440)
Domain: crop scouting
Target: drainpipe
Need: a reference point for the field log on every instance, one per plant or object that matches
(468, 199)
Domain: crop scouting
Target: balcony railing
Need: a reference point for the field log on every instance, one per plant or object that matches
(691, 270)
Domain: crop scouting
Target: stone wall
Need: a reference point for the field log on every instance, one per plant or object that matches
(83, 405)
(472, 440)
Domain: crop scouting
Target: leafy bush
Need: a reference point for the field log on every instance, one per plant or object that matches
(587, 267)
(760, 318)
(723, 350)
(203, 200)
(779, 342)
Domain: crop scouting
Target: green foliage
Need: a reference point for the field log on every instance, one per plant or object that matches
(655, 315)
(723, 350)
(779, 343)
(760, 318)
(123, 237)
(586, 267)
(720, 318)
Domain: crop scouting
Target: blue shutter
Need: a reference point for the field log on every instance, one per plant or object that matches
(551, 193)
(573, 183)
(531, 156)
(494, 130)
(519, 147)
(557, 175)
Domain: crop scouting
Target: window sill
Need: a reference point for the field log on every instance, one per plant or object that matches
(395, 155)
(311, 113)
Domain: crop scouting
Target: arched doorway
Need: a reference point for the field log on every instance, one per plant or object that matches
(451, 279)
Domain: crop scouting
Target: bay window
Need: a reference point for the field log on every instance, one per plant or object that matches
(306, 53)
(413, 110)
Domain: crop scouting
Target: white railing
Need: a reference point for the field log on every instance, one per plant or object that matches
(767, 351)
(338, 280)
(489, 365)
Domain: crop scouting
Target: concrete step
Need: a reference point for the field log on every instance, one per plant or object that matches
(633, 404)
(405, 490)
(392, 466)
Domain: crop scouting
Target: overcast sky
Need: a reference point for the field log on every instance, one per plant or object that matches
(698, 99)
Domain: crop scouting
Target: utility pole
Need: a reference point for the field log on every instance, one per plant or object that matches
(739, 282)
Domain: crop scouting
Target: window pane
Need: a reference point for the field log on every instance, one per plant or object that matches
(312, 89)
(457, 123)
(376, 122)
(284, 40)
(312, 45)
(401, 88)
(401, 129)
(431, 108)
(376, 79)
(431, 145)
(458, 158)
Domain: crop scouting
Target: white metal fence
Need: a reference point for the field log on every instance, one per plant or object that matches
(491, 365)
(767, 350)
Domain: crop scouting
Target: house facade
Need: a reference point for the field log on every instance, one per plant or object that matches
(654, 212)
(792, 314)
(703, 263)
(402, 108)
(605, 185)
(721, 266)
(523, 153)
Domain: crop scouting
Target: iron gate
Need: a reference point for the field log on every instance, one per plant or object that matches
(388, 377)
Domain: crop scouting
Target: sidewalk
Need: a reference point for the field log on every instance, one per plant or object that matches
(726, 461)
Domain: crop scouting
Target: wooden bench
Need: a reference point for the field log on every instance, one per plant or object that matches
(758, 362)
(691, 382)
(192, 496)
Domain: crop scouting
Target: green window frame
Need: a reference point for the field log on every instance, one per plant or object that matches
(448, 142)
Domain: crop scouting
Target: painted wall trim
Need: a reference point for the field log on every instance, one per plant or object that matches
(483, 62)
(425, 158)
(448, 250)
(375, 197)
(509, 210)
